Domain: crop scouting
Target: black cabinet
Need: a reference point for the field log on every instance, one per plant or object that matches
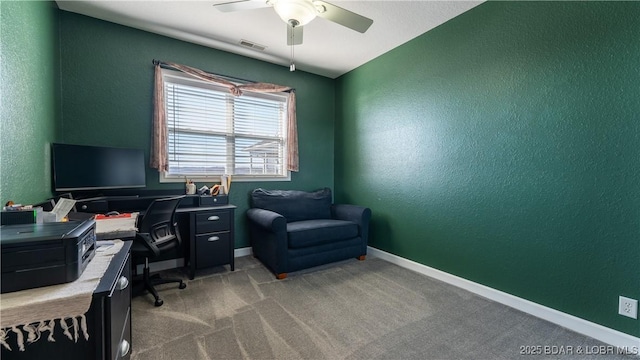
(118, 316)
(111, 309)
(211, 238)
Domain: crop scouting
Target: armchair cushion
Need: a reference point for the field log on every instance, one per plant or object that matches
(294, 205)
(317, 232)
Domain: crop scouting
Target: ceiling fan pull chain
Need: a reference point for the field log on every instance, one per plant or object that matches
(292, 65)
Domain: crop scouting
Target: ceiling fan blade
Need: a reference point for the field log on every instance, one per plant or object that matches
(343, 17)
(297, 35)
(239, 5)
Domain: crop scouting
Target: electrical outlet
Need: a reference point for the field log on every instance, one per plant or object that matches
(628, 307)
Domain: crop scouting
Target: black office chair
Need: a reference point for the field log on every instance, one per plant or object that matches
(157, 234)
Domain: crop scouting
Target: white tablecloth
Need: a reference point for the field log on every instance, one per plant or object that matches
(34, 313)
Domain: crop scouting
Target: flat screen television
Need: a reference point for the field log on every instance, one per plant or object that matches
(82, 167)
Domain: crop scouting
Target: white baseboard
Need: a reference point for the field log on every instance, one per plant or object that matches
(176, 263)
(596, 331)
(242, 252)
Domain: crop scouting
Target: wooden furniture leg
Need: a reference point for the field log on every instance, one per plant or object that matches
(362, 257)
(281, 276)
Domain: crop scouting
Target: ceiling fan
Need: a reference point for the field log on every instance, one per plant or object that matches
(297, 13)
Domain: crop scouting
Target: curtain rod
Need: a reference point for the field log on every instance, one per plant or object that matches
(163, 64)
(231, 78)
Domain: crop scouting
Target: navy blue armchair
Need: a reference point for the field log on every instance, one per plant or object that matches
(292, 230)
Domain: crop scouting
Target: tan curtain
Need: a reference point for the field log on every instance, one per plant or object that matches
(292, 134)
(159, 156)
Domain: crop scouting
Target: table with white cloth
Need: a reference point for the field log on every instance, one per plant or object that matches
(85, 319)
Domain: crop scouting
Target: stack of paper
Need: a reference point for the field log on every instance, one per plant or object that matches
(117, 225)
(62, 208)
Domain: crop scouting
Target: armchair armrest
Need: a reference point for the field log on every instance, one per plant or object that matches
(268, 233)
(269, 220)
(353, 213)
(358, 214)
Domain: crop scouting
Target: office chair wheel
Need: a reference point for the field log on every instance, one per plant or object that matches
(182, 285)
(159, 302)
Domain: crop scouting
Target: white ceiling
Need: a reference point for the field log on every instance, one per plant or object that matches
(328, 49)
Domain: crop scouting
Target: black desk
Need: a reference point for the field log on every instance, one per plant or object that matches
(207, 231)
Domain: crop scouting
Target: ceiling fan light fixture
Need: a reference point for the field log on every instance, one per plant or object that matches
(295, 11)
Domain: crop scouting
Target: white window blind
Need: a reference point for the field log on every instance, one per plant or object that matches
(212, 132)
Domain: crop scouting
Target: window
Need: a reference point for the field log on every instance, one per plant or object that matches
(211, 132)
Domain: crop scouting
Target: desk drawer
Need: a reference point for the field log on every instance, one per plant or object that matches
(212, 249)
(101, 206)
(212, 221)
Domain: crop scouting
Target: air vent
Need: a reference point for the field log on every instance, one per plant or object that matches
(252, 45)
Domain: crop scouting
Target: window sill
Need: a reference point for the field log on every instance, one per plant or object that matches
(216, 178)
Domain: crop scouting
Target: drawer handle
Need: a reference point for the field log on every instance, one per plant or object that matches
(213, 238)
(123, 282)
(213, 218)
(124, 348)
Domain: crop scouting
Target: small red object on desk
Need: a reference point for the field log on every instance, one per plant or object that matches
(102, 217)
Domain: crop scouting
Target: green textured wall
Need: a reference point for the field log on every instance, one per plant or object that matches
(503, 147)
(107, 84)
(29, 98)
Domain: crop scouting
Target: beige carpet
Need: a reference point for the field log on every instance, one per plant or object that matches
(349, 310)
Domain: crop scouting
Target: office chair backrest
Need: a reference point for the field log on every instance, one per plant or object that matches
(158, 220)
